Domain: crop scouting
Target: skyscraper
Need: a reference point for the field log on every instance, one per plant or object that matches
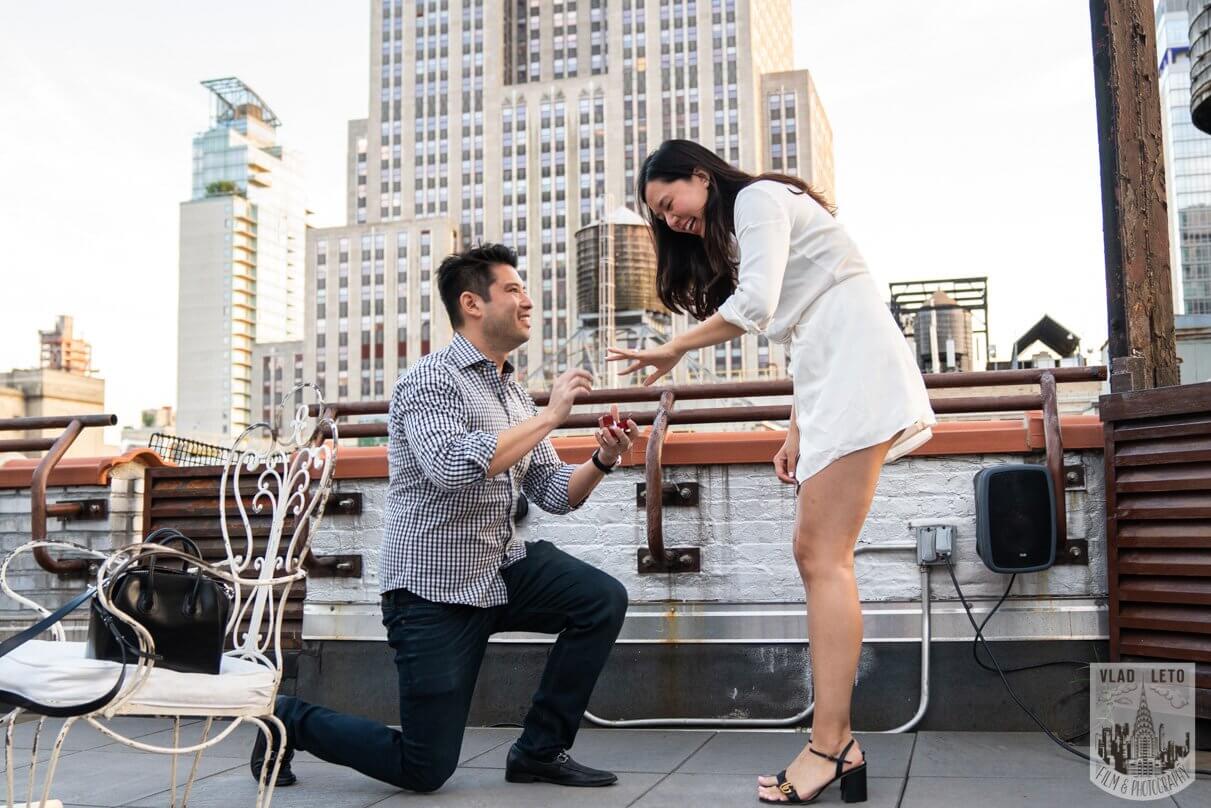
(519, 121)
(1187, 163)
(242, 243)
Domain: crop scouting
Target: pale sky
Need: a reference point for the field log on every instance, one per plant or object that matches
(964, 134)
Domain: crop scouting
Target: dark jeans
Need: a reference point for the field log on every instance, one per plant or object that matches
(438, 651)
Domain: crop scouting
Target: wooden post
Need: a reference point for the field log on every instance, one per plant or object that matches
(1139, 295)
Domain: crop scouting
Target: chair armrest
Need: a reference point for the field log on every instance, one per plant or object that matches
(29, 547)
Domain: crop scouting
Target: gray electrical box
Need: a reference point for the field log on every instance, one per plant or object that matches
(935, 542)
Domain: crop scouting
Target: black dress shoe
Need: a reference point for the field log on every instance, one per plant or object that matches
(562, 771)
(259, 747)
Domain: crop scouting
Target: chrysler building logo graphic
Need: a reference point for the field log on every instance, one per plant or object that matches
(1141, 728)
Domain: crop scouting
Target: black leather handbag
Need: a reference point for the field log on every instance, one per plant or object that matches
(184, 612)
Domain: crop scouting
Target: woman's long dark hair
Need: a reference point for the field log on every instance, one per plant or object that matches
(697, 274)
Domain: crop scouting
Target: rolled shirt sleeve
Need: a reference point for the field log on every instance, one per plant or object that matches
(429, 411)
(546, 481)
(763, 233)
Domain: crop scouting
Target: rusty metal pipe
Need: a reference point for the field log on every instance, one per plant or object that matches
(1054, 446)
(725, 415)
(655, 475)
(26, 444)
(690, 392)
(65, 510)
(56, 422)
(37, 503)
(985, 404)
(377, 429)
(995, 378)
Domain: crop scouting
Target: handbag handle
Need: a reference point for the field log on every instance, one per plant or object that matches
(165, 536)
(63, 710)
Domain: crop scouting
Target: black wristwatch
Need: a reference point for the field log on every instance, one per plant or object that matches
(602, 467)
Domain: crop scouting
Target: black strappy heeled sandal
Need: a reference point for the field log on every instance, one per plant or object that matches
(853, 781)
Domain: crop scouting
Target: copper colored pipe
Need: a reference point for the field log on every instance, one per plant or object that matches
(655, 478)
(630, 395)
(38, 509)
(1054, 446)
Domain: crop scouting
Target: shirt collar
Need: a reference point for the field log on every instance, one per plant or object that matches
(466, 355)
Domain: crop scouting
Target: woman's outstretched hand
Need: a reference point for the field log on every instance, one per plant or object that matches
(661, 359)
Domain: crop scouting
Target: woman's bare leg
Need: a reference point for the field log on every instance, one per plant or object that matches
(831, 509)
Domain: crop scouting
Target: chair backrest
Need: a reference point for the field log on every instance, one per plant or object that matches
(278, 473)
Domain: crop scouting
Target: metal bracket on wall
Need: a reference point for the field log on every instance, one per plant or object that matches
(79, 509)
(1074, 551)
(1074, 477)
(676, 559)
(335, 566)
(343, 503)
(671, 494)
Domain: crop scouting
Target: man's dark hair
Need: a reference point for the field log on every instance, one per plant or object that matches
(470, 271)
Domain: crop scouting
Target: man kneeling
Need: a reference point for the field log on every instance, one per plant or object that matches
(464, 437)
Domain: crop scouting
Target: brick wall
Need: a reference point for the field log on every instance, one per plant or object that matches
(122, 526)
(744, 525)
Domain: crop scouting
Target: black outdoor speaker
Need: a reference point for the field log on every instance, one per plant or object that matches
(1015, 518)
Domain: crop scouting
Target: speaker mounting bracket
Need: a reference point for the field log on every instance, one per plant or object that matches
(1074, 477)
(1074, 551)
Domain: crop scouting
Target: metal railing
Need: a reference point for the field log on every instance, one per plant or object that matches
(55, 448)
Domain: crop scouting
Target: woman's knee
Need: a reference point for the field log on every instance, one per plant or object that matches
(817, 556)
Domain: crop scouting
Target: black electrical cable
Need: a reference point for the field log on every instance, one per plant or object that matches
(975, 643)
(980, 638)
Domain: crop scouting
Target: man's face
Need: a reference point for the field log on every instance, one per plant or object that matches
(507, 311)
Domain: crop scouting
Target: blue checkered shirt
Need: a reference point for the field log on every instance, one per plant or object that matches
(449, 527)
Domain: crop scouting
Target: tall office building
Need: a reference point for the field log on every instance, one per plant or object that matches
(1187, 162)
(522, 122)
(242, 244)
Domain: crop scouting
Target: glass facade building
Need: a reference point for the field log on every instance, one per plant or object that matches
(242, 273)
(1187, 163)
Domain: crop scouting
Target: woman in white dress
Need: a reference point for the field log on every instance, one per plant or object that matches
(763, 254)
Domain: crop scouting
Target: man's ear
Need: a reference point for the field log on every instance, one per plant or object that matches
(471, 305)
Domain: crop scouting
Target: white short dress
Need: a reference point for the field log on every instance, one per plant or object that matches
(803, 283)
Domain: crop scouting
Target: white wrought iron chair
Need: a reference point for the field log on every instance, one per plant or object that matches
(291, 476)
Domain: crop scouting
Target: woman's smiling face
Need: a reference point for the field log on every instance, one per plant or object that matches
(679, 203)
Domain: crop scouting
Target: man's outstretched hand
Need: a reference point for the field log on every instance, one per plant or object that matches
(567, 387)
(615, 439)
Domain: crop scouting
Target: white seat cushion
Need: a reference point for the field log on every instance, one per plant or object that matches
(55, 673)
